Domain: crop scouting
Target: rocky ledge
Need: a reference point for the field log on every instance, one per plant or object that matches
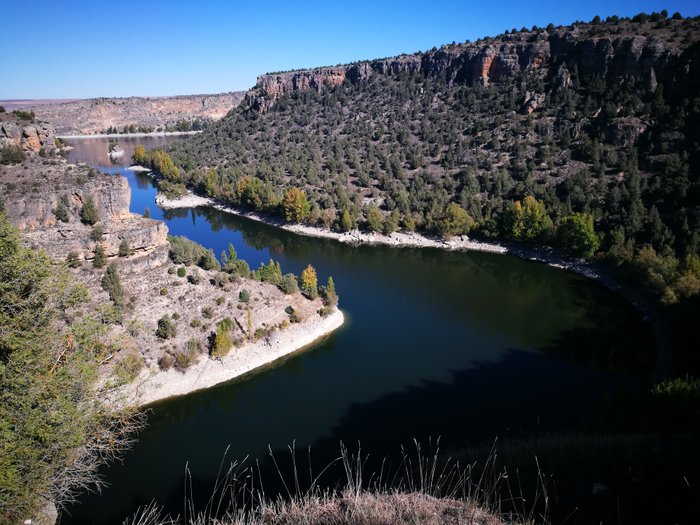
(45, 198)
(28, 135)
(641, 51)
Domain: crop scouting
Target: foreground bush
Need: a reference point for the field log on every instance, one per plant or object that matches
(54, 433)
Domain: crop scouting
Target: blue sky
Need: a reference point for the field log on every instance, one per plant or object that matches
(67, 49)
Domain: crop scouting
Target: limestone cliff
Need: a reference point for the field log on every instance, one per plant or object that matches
(34, 190)
(547, 53)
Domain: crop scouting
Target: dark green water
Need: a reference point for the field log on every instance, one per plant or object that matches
(465, 346)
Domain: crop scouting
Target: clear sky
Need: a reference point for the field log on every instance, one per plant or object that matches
(70, 49)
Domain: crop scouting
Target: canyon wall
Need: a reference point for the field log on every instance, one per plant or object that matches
(550, 54)
(88, 116)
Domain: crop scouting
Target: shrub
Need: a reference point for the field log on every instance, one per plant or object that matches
(89, 214)
(166, 328)
(134, 328)
(244, 296)
(124, 249)
(187, 252)
(163, 291)
(289, 284)
(207, 312)
(166, 361)
(195, 323)
(181, 272)
(73, 259)
(12, 155)
(96, 233)
(194, 346)
(184, 360)
(222, 340)
(325, 311)
(220, 300)
(128, 368)
(220, 279)
(24, 115)
(175, 316)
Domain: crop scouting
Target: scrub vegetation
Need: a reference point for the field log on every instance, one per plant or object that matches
(54, 431)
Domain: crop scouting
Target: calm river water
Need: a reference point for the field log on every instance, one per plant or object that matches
(465, 346)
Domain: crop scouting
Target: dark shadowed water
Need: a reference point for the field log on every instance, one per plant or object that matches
(466, 346)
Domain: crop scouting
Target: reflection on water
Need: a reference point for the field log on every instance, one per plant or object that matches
(95, 151)
(467, 346)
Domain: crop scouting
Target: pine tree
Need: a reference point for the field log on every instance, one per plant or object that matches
(329, 294)
(112, 285)
(89, 214)
(100, 257)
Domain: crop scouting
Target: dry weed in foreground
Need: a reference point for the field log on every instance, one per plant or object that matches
(422, 491)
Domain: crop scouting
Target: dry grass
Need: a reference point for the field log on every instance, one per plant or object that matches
(422, 490)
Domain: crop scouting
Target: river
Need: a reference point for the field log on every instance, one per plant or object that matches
(465, 346)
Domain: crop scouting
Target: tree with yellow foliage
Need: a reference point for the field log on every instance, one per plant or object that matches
(309, 282)
(295, 205)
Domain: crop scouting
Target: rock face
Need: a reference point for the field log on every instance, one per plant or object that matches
(29, 136)
(544, 53)
(34, 190)
(95, 115)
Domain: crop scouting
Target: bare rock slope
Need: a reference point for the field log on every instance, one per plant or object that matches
(95, 115)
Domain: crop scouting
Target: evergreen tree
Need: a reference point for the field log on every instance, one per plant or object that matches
(577, 235)
(100, 257)
(112, 285)
(89, 214)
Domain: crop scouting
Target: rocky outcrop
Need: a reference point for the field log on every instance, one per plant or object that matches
(548, 54)
(29, 136)
(34, 192)
(34, 209)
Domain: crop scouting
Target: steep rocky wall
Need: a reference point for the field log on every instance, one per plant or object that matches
(33, 190)
(33, 209)
(501, 59)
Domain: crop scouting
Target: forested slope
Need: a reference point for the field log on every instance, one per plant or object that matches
(584, 136)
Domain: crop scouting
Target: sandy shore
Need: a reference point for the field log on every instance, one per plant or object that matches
(127, 135)
(154, 384)
(187, 201)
